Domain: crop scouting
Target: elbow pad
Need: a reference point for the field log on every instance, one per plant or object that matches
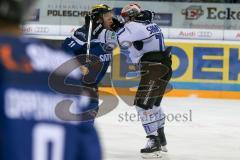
(138, 45)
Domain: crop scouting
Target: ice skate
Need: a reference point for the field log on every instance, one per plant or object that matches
(152, 149)
(164, 148)
(162, 140)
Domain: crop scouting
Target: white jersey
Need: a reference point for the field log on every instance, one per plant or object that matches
(149, 34)
(107, 37)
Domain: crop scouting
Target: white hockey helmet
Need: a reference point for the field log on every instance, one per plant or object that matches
(130, 11)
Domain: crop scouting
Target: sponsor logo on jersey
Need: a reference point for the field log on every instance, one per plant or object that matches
(153, 29)
(35, 105)
(105, 57)
(113, 36)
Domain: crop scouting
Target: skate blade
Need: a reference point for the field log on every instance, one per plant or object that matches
(156, 154)
(164, 149)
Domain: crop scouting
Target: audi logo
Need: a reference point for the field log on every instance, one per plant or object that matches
(204, 34)
(41, 30)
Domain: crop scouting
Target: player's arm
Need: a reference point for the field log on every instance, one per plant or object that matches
(75, 43)
(133, 34)
(136, 30)
(76, 46)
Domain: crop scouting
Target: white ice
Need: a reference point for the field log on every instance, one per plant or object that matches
(210, 131)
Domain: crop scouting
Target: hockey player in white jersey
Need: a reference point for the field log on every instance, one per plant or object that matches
(148, 50)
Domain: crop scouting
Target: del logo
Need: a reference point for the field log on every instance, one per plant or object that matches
(192, 12)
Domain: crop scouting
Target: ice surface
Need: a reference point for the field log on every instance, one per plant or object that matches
(209, 131)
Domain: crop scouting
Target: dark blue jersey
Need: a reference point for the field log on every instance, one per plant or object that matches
(29, 127)
(77, 44)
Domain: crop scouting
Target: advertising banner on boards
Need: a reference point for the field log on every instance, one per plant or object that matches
(196, 65)
(168, 14)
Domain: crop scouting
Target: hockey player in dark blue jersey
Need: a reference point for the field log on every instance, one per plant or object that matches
(29, 127)
(101, 49)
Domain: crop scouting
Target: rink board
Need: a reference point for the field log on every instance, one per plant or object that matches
(206, 68)
(174, 93)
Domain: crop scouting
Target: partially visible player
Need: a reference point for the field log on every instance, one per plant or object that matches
(103, 41)
(149, 51)
(29, 127)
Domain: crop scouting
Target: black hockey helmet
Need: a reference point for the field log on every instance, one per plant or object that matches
(98, 10)
(14, 11)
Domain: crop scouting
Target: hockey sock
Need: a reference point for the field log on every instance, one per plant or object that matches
(151, 119)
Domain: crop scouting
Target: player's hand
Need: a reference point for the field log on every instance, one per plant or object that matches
(116, 25)
(97, 25)
(87, 20)
(84, 70)
(94, 19)
(145, 16)
(132, 67)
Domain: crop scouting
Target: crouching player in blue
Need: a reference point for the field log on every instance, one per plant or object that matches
(29, 127)
(103, 40)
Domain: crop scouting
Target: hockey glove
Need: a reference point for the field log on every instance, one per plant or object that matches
(116, 25)
(97, 25)
(145, 16)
